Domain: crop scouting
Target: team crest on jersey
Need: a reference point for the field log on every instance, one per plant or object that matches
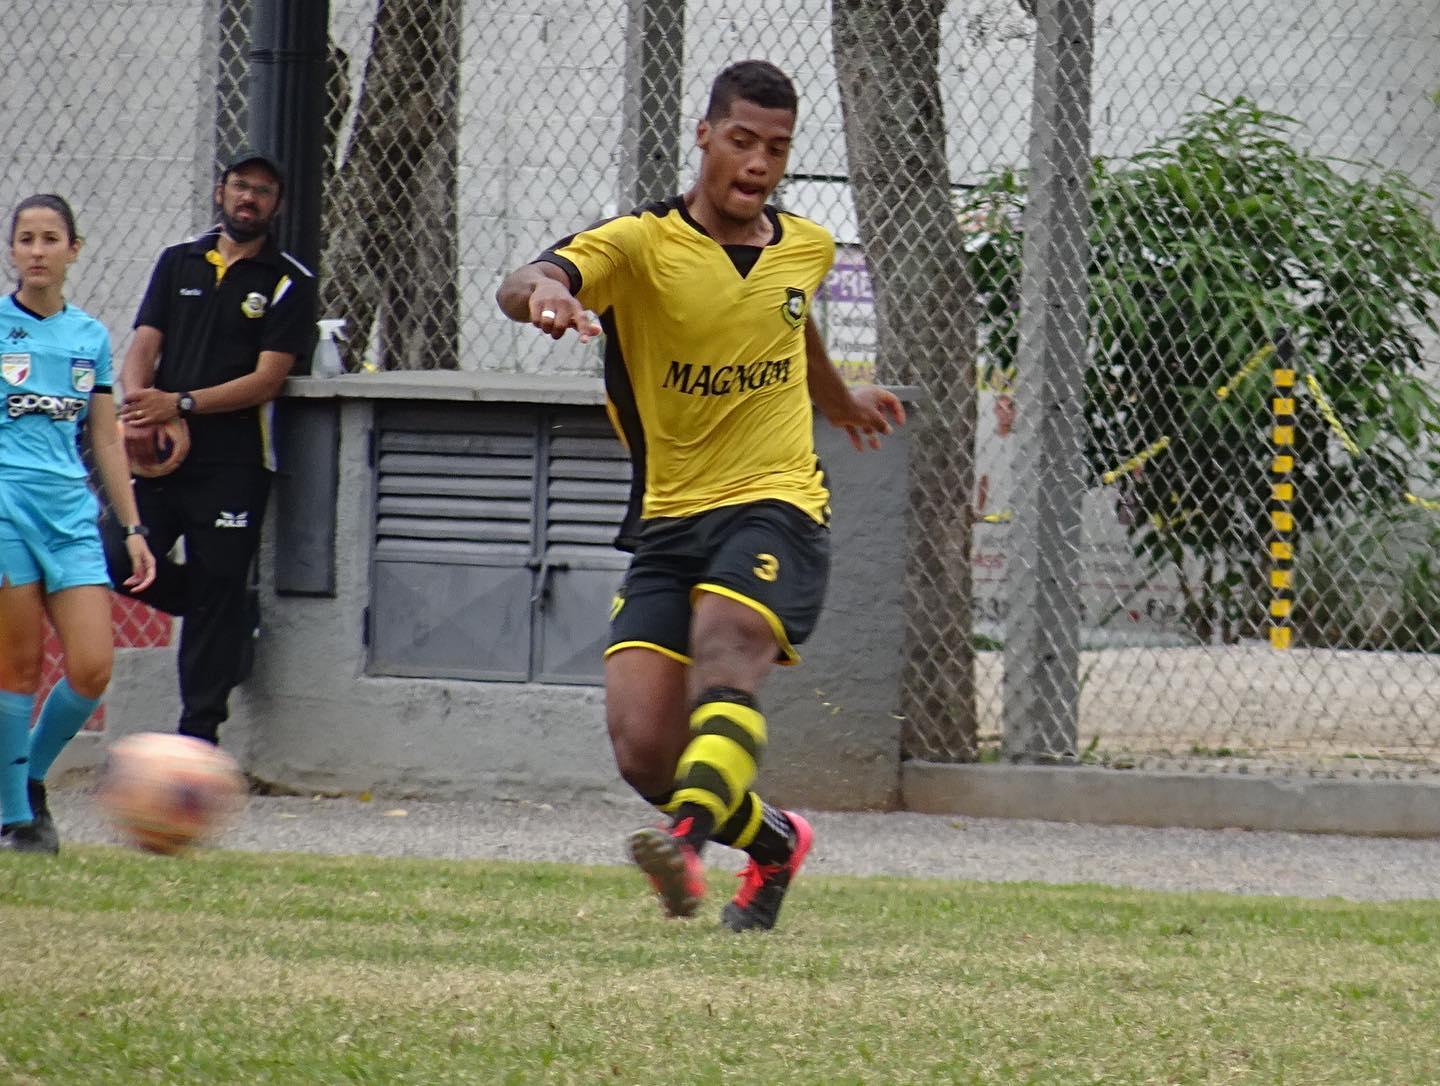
(794, 308)
(82, 374)
(254, 305)
(15, 367)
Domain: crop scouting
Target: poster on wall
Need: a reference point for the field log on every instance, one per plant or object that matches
(846, 314)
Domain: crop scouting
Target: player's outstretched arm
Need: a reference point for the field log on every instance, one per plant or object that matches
(539, 294)
(866, 412)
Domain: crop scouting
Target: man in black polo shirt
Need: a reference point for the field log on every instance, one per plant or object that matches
(222, 322)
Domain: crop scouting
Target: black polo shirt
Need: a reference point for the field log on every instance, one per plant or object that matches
(214, 332)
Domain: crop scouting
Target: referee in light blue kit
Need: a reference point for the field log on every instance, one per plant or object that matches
(54, 376)
(222, 322)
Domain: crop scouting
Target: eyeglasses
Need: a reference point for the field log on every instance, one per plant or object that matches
(241, 187)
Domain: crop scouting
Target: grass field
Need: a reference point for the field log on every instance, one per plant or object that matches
(243, 968)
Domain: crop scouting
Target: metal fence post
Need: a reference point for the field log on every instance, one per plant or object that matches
(1041, 682)
(650, 134)
(288, 67)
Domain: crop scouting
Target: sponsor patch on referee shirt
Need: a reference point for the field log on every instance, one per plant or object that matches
(82, 374)
(15, 368)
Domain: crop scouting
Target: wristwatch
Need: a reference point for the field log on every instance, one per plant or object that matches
(137, 529)
(185, 404)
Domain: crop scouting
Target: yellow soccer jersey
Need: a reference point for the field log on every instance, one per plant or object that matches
(704, 361)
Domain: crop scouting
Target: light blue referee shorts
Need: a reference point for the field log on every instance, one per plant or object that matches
(49, 530)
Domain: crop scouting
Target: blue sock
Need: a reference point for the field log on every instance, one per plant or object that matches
(63, 714)
(15, 710)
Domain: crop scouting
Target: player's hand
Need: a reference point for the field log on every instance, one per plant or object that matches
(870, 415)
(149, 406)
(142, 564)
(554, 310)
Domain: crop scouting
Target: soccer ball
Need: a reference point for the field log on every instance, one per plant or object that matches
(156, 450)
(164, 792)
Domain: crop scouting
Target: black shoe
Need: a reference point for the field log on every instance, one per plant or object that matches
(672, 866)
(762, 887)
(44, 823)
(24, 837)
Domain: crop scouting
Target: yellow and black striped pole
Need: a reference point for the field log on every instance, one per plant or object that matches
(1282, 493)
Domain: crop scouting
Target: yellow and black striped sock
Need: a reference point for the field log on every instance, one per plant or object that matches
(759, 829)
(714, 774)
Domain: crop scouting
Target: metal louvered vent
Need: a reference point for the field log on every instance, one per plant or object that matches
(494, 542)
(588, 488)
(459, 495)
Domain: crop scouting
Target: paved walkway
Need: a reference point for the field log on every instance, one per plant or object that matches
(592, 830)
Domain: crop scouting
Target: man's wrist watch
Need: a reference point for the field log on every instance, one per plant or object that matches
(137, 529)
(185, 404)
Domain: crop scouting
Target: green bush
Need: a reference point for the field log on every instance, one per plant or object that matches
(1202, 249)
(1372, 587)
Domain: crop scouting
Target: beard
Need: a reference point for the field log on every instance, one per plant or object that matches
(243, 232)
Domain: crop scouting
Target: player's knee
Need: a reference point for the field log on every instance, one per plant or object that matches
(88, 678)
(642, 765)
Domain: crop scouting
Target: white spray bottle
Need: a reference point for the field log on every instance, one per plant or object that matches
(327, 351)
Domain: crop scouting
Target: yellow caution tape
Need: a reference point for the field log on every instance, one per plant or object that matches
(1136, 461)
(1251, 365)
(1423, 503)
(1327, 410)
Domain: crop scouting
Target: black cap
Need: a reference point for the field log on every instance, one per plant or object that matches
(247, 155)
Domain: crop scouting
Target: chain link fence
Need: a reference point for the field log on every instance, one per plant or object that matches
(1245, 524)
(1107, 563)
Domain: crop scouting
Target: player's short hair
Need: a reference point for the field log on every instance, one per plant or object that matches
(756, 81)
(50, 201)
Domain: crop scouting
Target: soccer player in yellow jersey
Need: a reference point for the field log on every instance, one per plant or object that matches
(711, 366)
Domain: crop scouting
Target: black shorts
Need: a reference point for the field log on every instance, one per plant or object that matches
(768, 555)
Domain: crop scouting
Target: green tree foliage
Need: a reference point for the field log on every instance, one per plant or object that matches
(1203, 248)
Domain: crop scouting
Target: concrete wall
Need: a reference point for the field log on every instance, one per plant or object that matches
(1211, 801)
(311, 718)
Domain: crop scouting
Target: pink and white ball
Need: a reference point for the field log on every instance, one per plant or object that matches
(164, 792)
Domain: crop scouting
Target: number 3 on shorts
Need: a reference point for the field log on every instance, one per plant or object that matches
(767, 567)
